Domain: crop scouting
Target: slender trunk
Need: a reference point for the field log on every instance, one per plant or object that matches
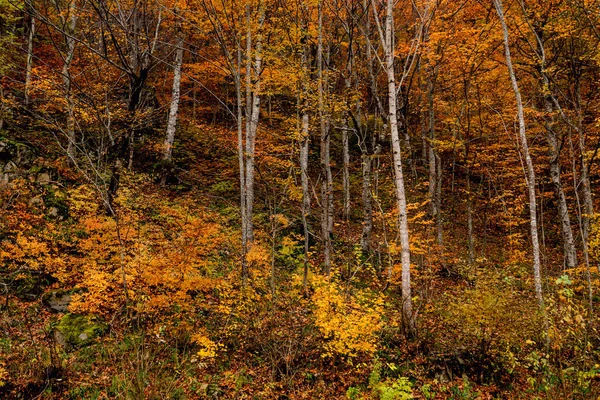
(588, 204)
(254, 107)
(432, 156)
(554, 154)
(438, 201)
(345, 169)
(373, 87)
(399, 177)
(248, 112)
(66, 76)
(367, 160)
(563, 210)
(471, 244)
(345, 143)
(305, 190)
(530, 172)
(176, 93)
(365, 240)
(327, 181)
(304, 142)
(587, 195)
(240, 150)
(29, 66)
(435, 166)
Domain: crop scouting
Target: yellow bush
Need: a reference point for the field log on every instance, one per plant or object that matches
(349, 321)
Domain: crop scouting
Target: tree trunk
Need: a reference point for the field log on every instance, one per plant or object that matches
(399, 177)
(241, 162)
(365, 240)
(471, 244)
(66, 76)
(588, 205)
(345, 170)
(327, 179)
(253, 106)
(563, 210)
(530, 172)
(304, 142)
(554, 154)
(29, 67)
(176, 94)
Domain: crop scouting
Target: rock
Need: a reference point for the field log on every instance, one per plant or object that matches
(4, 179)
(60, 338)
(10, 167)
(57, 300)
(36, 202)
(78, 330)
(9, 173)
(53, 212)
(43, 178)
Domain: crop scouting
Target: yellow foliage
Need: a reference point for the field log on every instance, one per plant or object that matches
(349, 321)
(3, 374)
(208, 348)
(594, 238)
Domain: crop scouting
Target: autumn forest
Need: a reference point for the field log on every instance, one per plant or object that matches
(305, 199)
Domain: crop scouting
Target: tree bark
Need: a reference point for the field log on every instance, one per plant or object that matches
(253, 98)
(241, 162)
(346, 169)
(66, 76)
(435, 166)
(327, 178)
(304, 143)
(530, 172)
(554, 154)
(399, 177)
(470, 240)
(563, 210)
(365, 240)
(176, 94)
(29, 66)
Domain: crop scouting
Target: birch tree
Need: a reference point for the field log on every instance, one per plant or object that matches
(326, 175)
(176, 92)
(304, 144)
(388, 42)
(253, 98)
(530, 172)
(29, 66)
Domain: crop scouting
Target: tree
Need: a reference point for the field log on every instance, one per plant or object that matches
(530, 172)
(172, 122)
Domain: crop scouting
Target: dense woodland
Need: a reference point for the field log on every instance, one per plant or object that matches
(308, 199)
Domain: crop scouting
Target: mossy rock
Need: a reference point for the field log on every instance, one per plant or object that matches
(75, 330)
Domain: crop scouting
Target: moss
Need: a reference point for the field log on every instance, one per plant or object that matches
(78, 330)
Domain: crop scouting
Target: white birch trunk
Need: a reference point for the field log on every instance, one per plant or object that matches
(346, 171)
(399, 177)
(530, 172)
(176, 94)
(346, 157)
(241, 161)
(304, 142)
(253, 106)
(66, 76)
(327, 181)
(29, 67)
